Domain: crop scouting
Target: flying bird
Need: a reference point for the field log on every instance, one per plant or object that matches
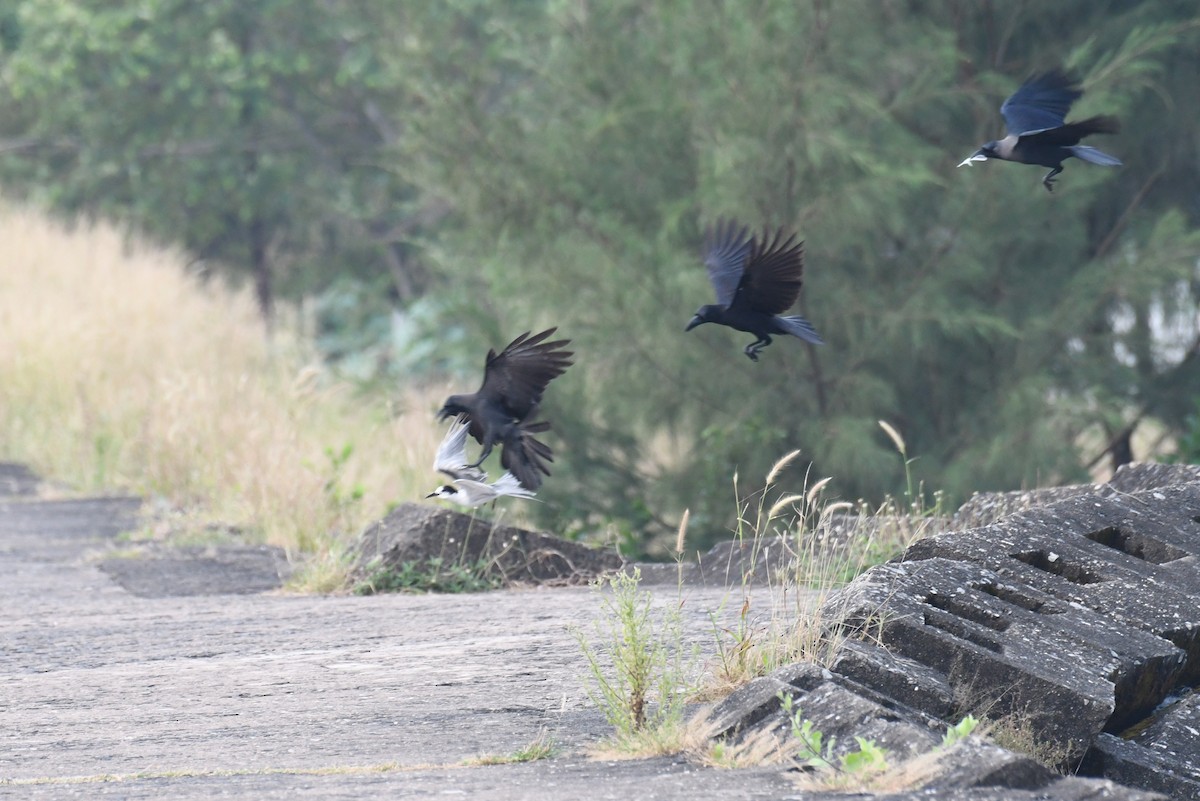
(468, 485)
(756, 280)
(504, 409)
(1038, 132)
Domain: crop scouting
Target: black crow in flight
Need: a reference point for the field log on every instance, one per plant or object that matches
(502, 412)
(756, 280)
(1038, 132)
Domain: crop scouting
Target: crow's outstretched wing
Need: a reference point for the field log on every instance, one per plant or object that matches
(774, 273)
(1041, 103)
(1071, 133)
(726, 246)
(451, 457)
(518, 375)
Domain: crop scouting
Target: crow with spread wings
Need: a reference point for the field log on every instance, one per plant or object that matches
(504, 409)
(756, 280)
(1038, 131)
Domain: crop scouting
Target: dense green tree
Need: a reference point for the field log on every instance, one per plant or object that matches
(257, 133)
(556, 162)
(994, 324)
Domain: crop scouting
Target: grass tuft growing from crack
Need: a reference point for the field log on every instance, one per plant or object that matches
(431, 575)
(639, 668)
(541, 747)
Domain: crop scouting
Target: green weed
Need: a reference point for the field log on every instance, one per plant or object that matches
(541, 747)
(430, 575)
(638, 666)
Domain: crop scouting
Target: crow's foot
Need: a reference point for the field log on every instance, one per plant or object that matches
(1048, 181)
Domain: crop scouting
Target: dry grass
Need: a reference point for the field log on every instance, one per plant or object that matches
(118, 371)
(819, 547)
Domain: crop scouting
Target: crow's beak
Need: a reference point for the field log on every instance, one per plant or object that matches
(971, 159)
(695, 321)
(442, 414)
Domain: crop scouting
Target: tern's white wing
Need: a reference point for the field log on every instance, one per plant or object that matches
(451, 457)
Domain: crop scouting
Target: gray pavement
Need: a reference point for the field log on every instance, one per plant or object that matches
(108, 694)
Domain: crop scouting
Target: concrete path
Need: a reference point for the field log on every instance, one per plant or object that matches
(106, 694)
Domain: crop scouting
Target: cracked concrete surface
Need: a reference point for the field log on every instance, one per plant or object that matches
(107, 694)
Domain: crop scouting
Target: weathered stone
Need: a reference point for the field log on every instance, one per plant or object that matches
(983, 508)
(17, 480)
(1065, 789)
(218, 570)
(747, 707)
(757, 561)
(907, 681)
(838, 712)
(1163, 756)
(978, 763)
(1142, 476)
(1067, 670)
(1074, 788)
(1132, 558)
(423, 535)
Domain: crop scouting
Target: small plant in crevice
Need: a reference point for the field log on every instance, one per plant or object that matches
(1018, 732)
(541, 747)
(639, 669)
(959, 731)
(429, 575)
(816, 752)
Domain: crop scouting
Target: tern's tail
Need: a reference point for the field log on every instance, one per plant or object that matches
(508, 484)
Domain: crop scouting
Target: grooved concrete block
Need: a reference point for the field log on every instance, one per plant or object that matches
(984, 508)
(1133, 558)
(1142, 476)
(1070, 672)
(838, 712)
(909, 682)
(744, 710)
(1163, 756)
(977, 763)
(1067, 789)
(842, 714)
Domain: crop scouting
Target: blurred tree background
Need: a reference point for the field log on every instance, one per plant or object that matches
(437, 178)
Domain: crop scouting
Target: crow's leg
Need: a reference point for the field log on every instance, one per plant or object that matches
(1048, 181)
(754, 347)
(489, 441)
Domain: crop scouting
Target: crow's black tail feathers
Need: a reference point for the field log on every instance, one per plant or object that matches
(1094, 156)
(799, 327)
(525, 456)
